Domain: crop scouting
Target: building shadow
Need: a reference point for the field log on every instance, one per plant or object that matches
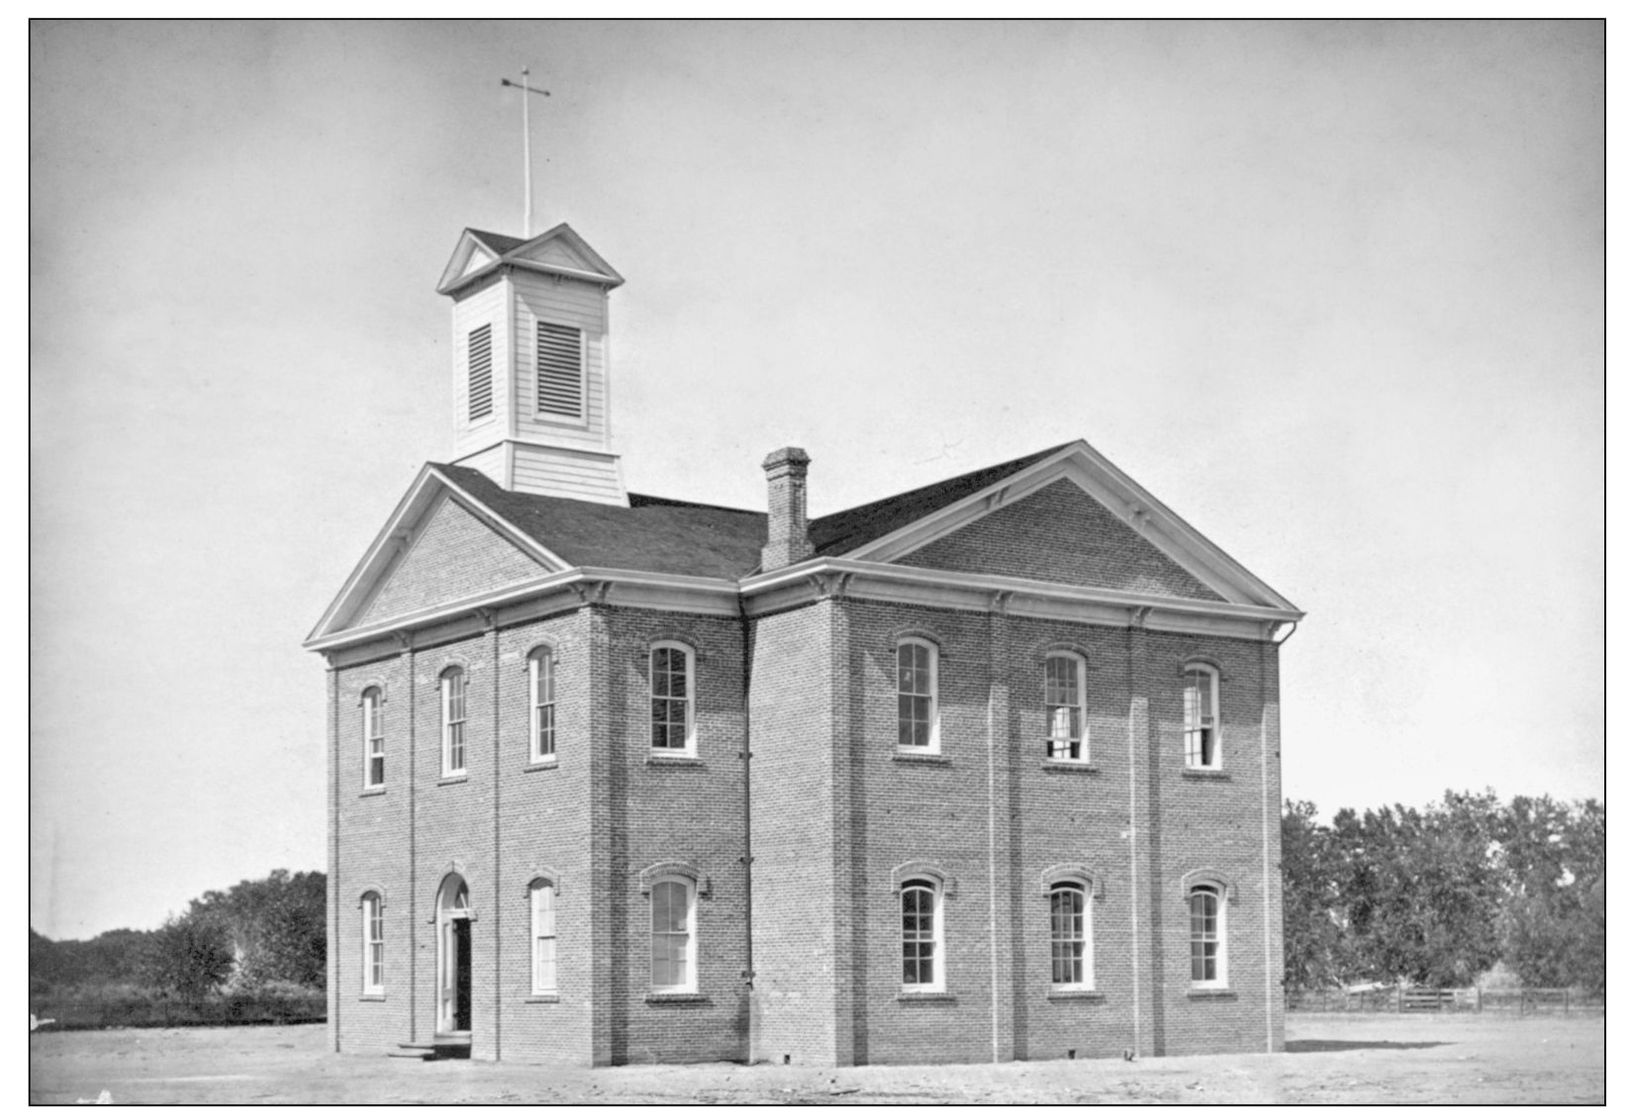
(1314, 1045)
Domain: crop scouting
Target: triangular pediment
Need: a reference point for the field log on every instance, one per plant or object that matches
(1073, 518)
(440, 548)
(560, 251)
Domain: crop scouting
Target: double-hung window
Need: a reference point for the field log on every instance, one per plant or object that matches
(373, 944)
(916, 686)
(1071, 935)
(541, 684)
(453, 686)
(1201, 740)
(542, 894)
(1064, 696)
(1207, 952)
(673, 935)
(673, 706)
(921, 936)
(373, 734)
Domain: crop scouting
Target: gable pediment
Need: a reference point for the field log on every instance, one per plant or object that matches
(440, 548)
(1073, 518)
(1060, 533)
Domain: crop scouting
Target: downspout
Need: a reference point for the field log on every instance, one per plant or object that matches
(747, 812)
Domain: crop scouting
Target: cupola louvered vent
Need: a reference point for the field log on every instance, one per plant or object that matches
(481, 372)
(560, 370)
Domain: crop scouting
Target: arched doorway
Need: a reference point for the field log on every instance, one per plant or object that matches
(453, 957)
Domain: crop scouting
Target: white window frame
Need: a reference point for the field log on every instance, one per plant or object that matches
(1078, 666)
(545, 968)
(373, 736)
(932, 745)
(688, 887)
(1219, 936)
(1084, 894)
(1196, 723)
(936, 939)
(689, 700)
(541, 703)
(455, 739)
(373, 943)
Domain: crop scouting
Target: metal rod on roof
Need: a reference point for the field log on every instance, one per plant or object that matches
(526, 148)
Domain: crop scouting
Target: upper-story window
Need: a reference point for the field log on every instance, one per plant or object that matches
(541, 698)
(1064, 695)
(1207, 951)
(479, 358)
(560, 370)
(373, 943)
(673, 705)
(453, 686)
(673, 934)
(921, 940)
(542, 895)
(1072, 935)
(373, 735)
(1201, 742)
(917, 688)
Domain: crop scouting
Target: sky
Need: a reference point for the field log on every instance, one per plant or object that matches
(1333, 292)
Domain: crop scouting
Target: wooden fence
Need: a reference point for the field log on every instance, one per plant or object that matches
(1406, 1000)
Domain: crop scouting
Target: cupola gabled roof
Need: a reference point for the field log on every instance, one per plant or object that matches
(560, 251)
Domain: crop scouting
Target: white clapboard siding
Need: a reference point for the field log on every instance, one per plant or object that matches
(546, 472)
(569, 304)
(485, 306)
(489, 461)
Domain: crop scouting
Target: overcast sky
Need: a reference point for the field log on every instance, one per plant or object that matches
(1332, 292)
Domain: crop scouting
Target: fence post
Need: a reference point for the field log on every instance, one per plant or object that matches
(1565, 1001)
(1478, 1001)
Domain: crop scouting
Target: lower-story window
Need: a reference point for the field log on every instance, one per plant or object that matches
(543, 937)
(1071, 936)
(920, 936)
(1207, 955)
(673, 935)
(373, 944)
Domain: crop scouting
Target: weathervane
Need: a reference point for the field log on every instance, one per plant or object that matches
(526, 147)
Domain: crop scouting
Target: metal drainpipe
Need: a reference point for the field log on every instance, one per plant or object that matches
(747, 798)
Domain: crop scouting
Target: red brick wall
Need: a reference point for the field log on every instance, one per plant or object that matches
(1061, 534)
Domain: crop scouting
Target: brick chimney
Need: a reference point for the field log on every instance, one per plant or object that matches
(788, 538)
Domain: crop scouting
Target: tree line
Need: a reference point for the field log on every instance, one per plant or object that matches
(260, 933)
(1438, 896)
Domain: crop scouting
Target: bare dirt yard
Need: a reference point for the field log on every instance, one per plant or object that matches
(1329, 1059)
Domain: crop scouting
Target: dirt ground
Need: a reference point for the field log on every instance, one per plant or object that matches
(1329, 1059)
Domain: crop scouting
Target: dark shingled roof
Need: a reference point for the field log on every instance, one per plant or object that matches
(497, 241)
(657, 535)
(844, 531)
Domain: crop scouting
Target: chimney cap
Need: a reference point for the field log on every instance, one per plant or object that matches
(790, 455)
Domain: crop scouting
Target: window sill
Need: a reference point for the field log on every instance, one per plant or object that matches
(371, 997)
(371, 791)
(925, 997)
(1076, 993)
(452, 779)
(677, 999)
(931, 758)
(545, 998)
(1211, 993)
(658, 760)
(1206, 773)
(1069, 766)
(542, 764)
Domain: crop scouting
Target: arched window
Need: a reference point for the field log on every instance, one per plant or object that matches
(541, 686)
(1072, 935)
(542, 894)
(921, 936)
(673, 720)
(373, 735)
(673, 934)
(1065, 697)
(917, 688)
(1207, 943)
(452, 721)
(373, 944)
(1201, 738)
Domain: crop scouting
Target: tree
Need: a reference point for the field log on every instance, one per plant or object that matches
(277, 925)
(1314, 953)
(190, 956)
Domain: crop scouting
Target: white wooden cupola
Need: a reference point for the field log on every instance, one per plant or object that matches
(531, 397)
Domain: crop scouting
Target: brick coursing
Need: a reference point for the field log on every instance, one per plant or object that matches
(1061, 534)
(835, 813)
